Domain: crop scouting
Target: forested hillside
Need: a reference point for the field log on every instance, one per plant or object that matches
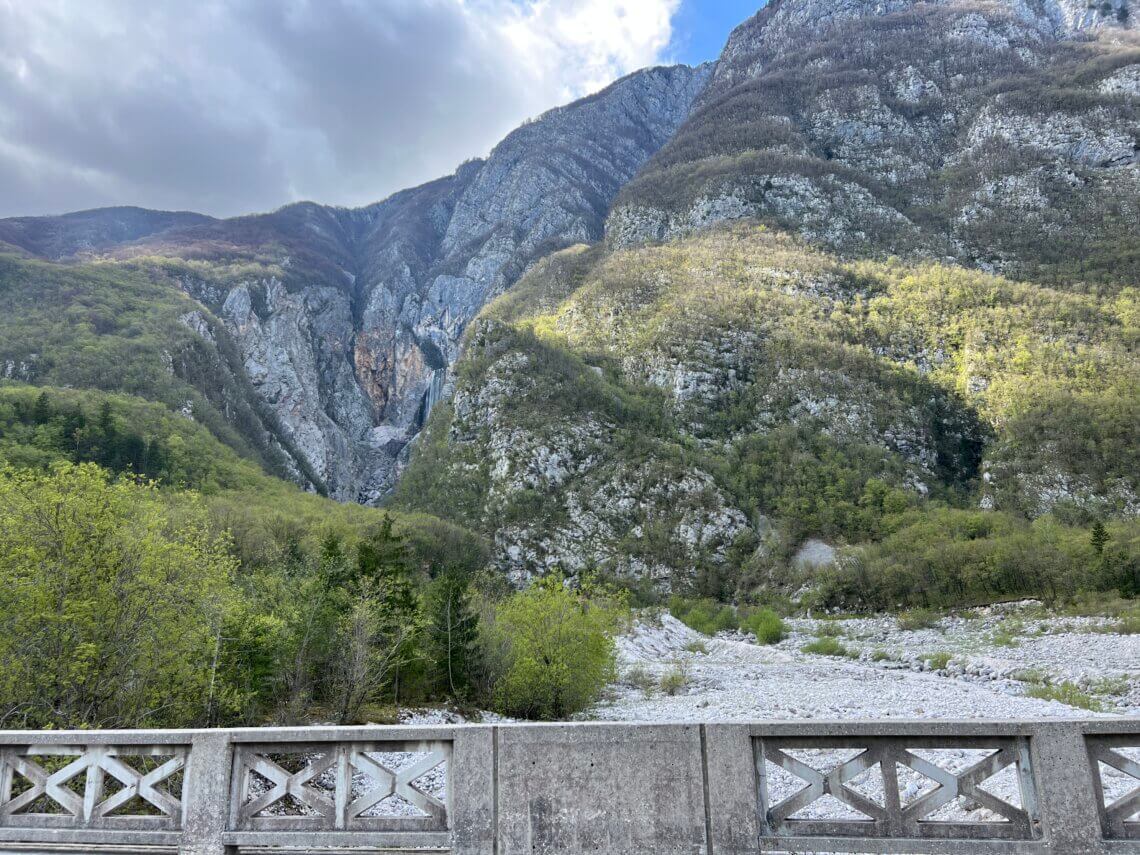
(688, 415)
(907, 375)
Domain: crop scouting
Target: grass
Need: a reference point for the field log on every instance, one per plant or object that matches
(918, 619)
(640, 678)
(1067, 693)
(826, 645)
(880, 655)
(1128, 625)
(1030, 675)
(696, 646)
(674, 680)
(1008, 633)
(938, 661)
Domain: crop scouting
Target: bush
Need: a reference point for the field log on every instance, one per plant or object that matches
(766, 625)
(826, 645)
(1067, 693)
(551, 650)
(705, 616)
(641, 679)
(938, 661)
(917, 619)
(674, 680)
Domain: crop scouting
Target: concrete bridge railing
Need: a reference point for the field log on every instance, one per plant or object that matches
(1064, 787)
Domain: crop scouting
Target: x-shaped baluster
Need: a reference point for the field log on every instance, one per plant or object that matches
(397, 783)
(44, 784)
(286, 783)
(965, 783)
(1121, 810)
(141, 785)
(820, 783)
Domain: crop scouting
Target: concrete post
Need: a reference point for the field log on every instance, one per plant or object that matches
(730, 775)
(471, 791)
(205, 813)
(1064, 776)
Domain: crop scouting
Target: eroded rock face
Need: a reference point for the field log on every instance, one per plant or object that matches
(604, 502)
(907, 127)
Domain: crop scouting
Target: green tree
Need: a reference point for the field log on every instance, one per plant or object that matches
(452, 633)
(112, 602)
(551, 650)
(1099, 538)
(375, 631)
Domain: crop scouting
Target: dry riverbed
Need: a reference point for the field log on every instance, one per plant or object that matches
(1003, 662)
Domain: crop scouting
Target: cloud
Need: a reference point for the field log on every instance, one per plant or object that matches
(227, 106)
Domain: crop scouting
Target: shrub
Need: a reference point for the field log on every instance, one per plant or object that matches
(705, 616)
(826, 645)
(938, 661)
(917, 619)
(1067, 693)
(551, 650)
(641, 679)
(766, 625)
(697, 646)
(674, 680)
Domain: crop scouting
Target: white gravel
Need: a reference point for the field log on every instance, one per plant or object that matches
(739, 680)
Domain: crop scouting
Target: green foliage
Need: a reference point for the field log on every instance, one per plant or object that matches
(705, 616)
(938, 661)
(551, 650)
(112, 603)
(452, 634)
(1033, 383)
(918, 619)
(40, 427)
(674, 681)
(117, 328)
(1067, 693)
(941, 558)
(815, 484)
(765, 624)
(1098, 538)
(826, 645)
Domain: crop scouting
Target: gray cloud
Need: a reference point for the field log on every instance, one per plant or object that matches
(227, 106)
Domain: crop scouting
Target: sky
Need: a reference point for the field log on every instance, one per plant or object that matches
(235, 106)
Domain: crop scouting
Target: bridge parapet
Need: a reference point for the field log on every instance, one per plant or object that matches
(1049, 786)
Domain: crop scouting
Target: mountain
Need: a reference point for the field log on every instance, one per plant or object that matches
(999, 134)
(877, 295)
(852, 311)
(325, 335)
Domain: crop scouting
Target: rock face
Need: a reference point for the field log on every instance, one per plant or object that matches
(350, 321)
(980, 131)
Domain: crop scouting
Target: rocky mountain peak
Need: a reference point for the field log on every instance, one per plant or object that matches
(910, 127)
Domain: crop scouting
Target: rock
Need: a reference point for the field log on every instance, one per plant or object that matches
(814, 554)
